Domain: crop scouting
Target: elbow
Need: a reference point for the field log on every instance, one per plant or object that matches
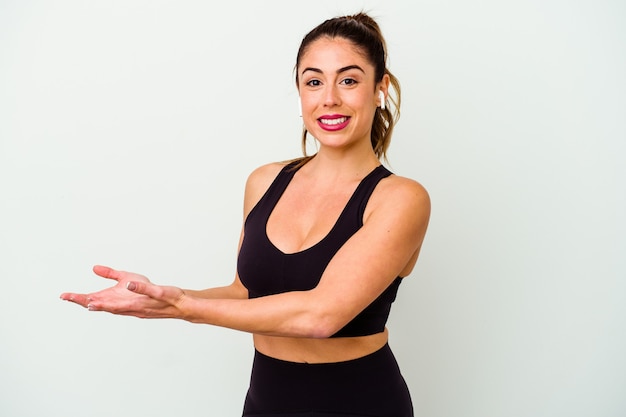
(319, 320)
(323, 326)
(320, 332)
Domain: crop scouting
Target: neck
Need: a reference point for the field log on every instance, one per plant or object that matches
(335, 165)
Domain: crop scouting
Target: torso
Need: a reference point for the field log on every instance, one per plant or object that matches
(306, 350)
(316, 217)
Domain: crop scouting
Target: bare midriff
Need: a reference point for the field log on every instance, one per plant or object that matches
(307, 350)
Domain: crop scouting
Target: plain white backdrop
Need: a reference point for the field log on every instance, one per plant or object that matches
(128, 128)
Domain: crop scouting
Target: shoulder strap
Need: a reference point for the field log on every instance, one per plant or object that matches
(366, 188)
(273, 193)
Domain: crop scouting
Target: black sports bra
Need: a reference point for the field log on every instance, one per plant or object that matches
(266, 270)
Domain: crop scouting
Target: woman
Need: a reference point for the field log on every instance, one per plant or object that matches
(325, 244)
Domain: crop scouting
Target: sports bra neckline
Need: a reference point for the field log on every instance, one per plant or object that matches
(290, 175)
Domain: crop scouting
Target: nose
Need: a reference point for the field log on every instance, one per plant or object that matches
(331, 96)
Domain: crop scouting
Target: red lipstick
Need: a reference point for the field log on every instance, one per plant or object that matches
(333, 122)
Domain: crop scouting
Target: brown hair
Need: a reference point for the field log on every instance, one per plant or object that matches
(365, 34)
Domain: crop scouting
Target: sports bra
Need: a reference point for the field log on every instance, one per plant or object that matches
(265, 270)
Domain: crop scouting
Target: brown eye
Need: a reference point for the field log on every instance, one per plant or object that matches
(348, 81)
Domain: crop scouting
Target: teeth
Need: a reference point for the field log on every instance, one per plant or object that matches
(332, 122)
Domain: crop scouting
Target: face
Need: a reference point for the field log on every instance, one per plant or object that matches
(338, 92)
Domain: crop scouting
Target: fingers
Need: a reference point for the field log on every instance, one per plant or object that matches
(106, 272)
(152, 291)
(84, 299)
(80, 299)
(99, 301)
(169, 295)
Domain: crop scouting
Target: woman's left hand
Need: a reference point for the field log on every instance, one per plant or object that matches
(132, 295)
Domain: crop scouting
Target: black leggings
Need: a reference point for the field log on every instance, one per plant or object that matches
(371, 386)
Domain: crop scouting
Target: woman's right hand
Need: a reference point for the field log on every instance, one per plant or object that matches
(126, 296)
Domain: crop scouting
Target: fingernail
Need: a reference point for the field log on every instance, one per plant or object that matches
(131, 286)
(89, 307)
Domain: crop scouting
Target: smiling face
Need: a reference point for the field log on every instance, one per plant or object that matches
(338, 92)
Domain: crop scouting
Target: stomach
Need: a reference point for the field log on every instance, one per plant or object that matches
(305, 350)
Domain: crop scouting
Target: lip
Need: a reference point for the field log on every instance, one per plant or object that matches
(336, 124)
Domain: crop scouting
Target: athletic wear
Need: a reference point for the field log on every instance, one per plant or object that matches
(266, 270)
(371, 386)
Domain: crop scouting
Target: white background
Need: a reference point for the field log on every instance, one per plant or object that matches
(128, 128)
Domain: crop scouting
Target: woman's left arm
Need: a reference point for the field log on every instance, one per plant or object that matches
(394, 226)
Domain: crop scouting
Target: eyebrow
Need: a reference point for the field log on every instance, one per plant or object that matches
(339, 71)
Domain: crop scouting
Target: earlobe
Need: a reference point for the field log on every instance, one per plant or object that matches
(381, 97)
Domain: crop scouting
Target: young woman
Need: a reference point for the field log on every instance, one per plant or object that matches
(325, 244)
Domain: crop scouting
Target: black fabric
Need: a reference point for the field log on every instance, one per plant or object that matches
(371, 386)
(266, 270)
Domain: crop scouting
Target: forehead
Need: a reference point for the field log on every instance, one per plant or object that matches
(333, 53)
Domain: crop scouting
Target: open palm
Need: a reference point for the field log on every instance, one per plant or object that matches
(132, 294)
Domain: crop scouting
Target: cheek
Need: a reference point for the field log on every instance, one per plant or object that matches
(308, 104)
(305, 102)
(363, 107)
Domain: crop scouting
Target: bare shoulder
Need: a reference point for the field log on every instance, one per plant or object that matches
(258, 182)
(401, 195)
(263, 176)
(397, 188)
